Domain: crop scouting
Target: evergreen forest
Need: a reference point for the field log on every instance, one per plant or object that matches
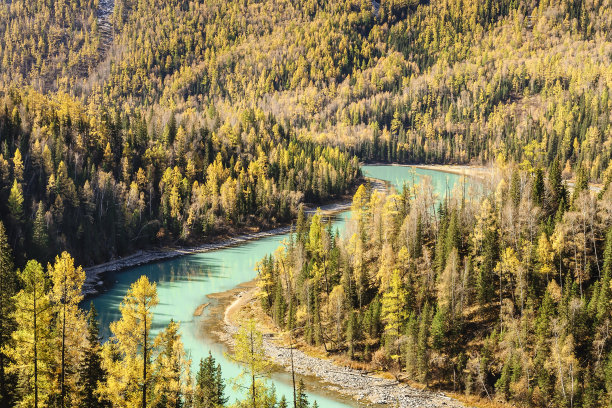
(145, 125)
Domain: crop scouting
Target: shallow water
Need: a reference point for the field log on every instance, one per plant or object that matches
(184, 283)
(397, 176)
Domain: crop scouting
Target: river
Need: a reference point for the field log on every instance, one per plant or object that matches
(184, 283)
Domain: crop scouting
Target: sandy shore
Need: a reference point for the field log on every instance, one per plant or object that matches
(479, 172)
(360, 385)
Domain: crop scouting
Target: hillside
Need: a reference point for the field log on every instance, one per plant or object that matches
(133, 124)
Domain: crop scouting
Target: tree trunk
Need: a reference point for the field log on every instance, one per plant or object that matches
(253, 371)
(63, 374)
(35, 355)
(292, 369)
(144, 365)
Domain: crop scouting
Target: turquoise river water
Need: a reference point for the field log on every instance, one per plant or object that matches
(183, 284)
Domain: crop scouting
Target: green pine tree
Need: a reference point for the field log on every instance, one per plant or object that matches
(40, 235)
(301, 398)
(91, 371)
(209, 391)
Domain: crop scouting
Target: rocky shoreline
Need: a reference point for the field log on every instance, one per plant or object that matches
(94, 275)
(360, 385)
(94, 280)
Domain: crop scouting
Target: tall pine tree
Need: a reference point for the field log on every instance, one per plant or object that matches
(91, 372)
(8, 286)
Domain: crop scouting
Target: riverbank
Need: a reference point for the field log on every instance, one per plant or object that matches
(95, 275)
(360, 385)
(468, 170)
(94, 281)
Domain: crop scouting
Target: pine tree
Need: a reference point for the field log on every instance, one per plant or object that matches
(582, 184)
(394, 310)
(66, 294)
(302, 398)
(279, 306)
(170, 369)
(210, 386)
(537, 187)
(515, 188)
(485, 243)
(359, 211)
(439, 328)
(32, 349)
(15, 207)
(127, 354)
(249, 351)
(15, 203)
(605, 292)
(18, 166)
(607, 264)
(91, 372)
(556, 185)
(423, 344)
(411, 346)
(40, 235)
(8, 287)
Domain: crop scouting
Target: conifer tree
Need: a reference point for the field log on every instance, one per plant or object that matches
(302, 398)
(32, 349)
(423, 345)
(554, 178)
(515, 188)
(249, 351)
(209, 392)
(16, 215)
(40, 235)
(394, 310)
(91, 373)
(537, 187)
(605, 292)
(127, 354)
(15, 203)
(8, 287)
(485, 250)
(66, 294)
(170, 369)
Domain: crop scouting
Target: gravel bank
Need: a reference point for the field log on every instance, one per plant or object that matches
(95, 274)
(358, 384)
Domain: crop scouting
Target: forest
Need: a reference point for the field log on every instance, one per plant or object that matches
(52, 353)
(110, 117)
(128, 125)
(101, 186)
(504, 295)
(414, 81)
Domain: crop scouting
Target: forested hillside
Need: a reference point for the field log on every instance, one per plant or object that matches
(505, 296)
(99, 185)
(109, 119)
(167, 122)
